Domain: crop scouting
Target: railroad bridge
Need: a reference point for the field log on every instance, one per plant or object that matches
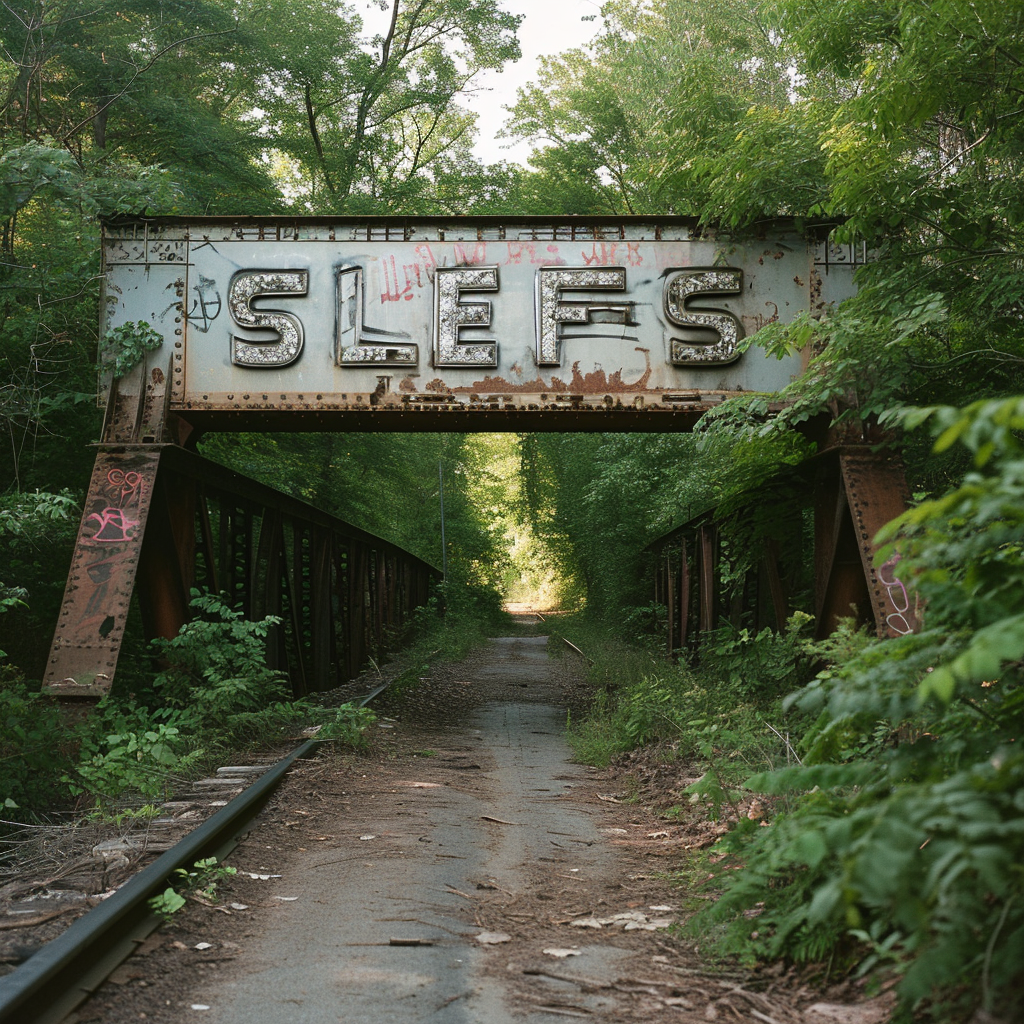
(479, 324)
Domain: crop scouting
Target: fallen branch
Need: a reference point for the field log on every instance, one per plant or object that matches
(455, 998)
(548, 1008)
(581, 982)
(459, 892)
(7, 925)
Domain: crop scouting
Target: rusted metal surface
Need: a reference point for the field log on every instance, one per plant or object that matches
(167, 520)
(99, 587)
(877, 492)
(479, 323)
(839, 585)
(707, 575)
(854, 490)
(684, 595)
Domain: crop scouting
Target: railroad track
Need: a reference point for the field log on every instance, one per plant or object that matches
(68, 969)
(568, 643)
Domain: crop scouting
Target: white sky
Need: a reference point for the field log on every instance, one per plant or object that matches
(549, 26)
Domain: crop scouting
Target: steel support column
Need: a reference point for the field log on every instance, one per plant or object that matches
(83, 656)
(163, 520)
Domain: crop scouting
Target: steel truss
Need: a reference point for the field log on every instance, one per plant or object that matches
(854, 490)
(160, 520)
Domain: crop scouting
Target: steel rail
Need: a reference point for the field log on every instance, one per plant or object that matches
(67, 970)
(568, 643)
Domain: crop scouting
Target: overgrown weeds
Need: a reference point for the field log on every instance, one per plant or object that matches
(200, 883)
(726, 711)
(216, 694)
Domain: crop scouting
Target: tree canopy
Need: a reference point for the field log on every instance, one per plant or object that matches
(899, 122)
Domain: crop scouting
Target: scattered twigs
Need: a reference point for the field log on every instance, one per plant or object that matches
(7, 924)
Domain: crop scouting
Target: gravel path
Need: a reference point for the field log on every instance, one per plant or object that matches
(461, 870)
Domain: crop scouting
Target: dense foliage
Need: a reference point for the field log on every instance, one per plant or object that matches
(912, 840)
(895, 844)
(215, 694)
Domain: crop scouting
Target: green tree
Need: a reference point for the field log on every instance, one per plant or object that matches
(157, 83)
(369, 121)
(652, 112)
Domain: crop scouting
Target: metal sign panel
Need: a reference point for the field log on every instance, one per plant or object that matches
(270, 316)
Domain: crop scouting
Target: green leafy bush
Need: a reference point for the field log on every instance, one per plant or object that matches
(126, 346)
(759, 666)
(904, 845)
(347, 724)
(126, 749)
(35, 748)
(217, 693)
(200, 883)
(218, 667)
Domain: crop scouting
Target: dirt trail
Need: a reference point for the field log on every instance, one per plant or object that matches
(463, 871)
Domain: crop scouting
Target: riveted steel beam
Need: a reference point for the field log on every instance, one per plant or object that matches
(160, 520)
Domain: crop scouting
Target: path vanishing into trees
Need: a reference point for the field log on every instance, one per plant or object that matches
(464, 870)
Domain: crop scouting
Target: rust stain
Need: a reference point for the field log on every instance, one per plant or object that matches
(407, 384)
(596, 383)
(754, 323)
(438, 385)
(158, 375)
(816, 286)
(529, 387)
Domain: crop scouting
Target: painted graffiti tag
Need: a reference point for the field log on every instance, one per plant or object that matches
(126, 488)
(206, 306)
(114, 527)
(896, 593)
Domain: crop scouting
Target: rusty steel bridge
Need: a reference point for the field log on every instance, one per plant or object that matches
(527, 323)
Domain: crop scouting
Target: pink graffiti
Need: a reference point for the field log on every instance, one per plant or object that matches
(517, 250)
(394, 287)
(896, 592)
(609, 253)
(465, 257)
(426, 254)
(125, 487)
(114, 527)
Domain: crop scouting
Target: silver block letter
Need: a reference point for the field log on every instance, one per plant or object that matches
(552, 312)
(253, 284)
(451, 314)
(727, 330)
(358, 345)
